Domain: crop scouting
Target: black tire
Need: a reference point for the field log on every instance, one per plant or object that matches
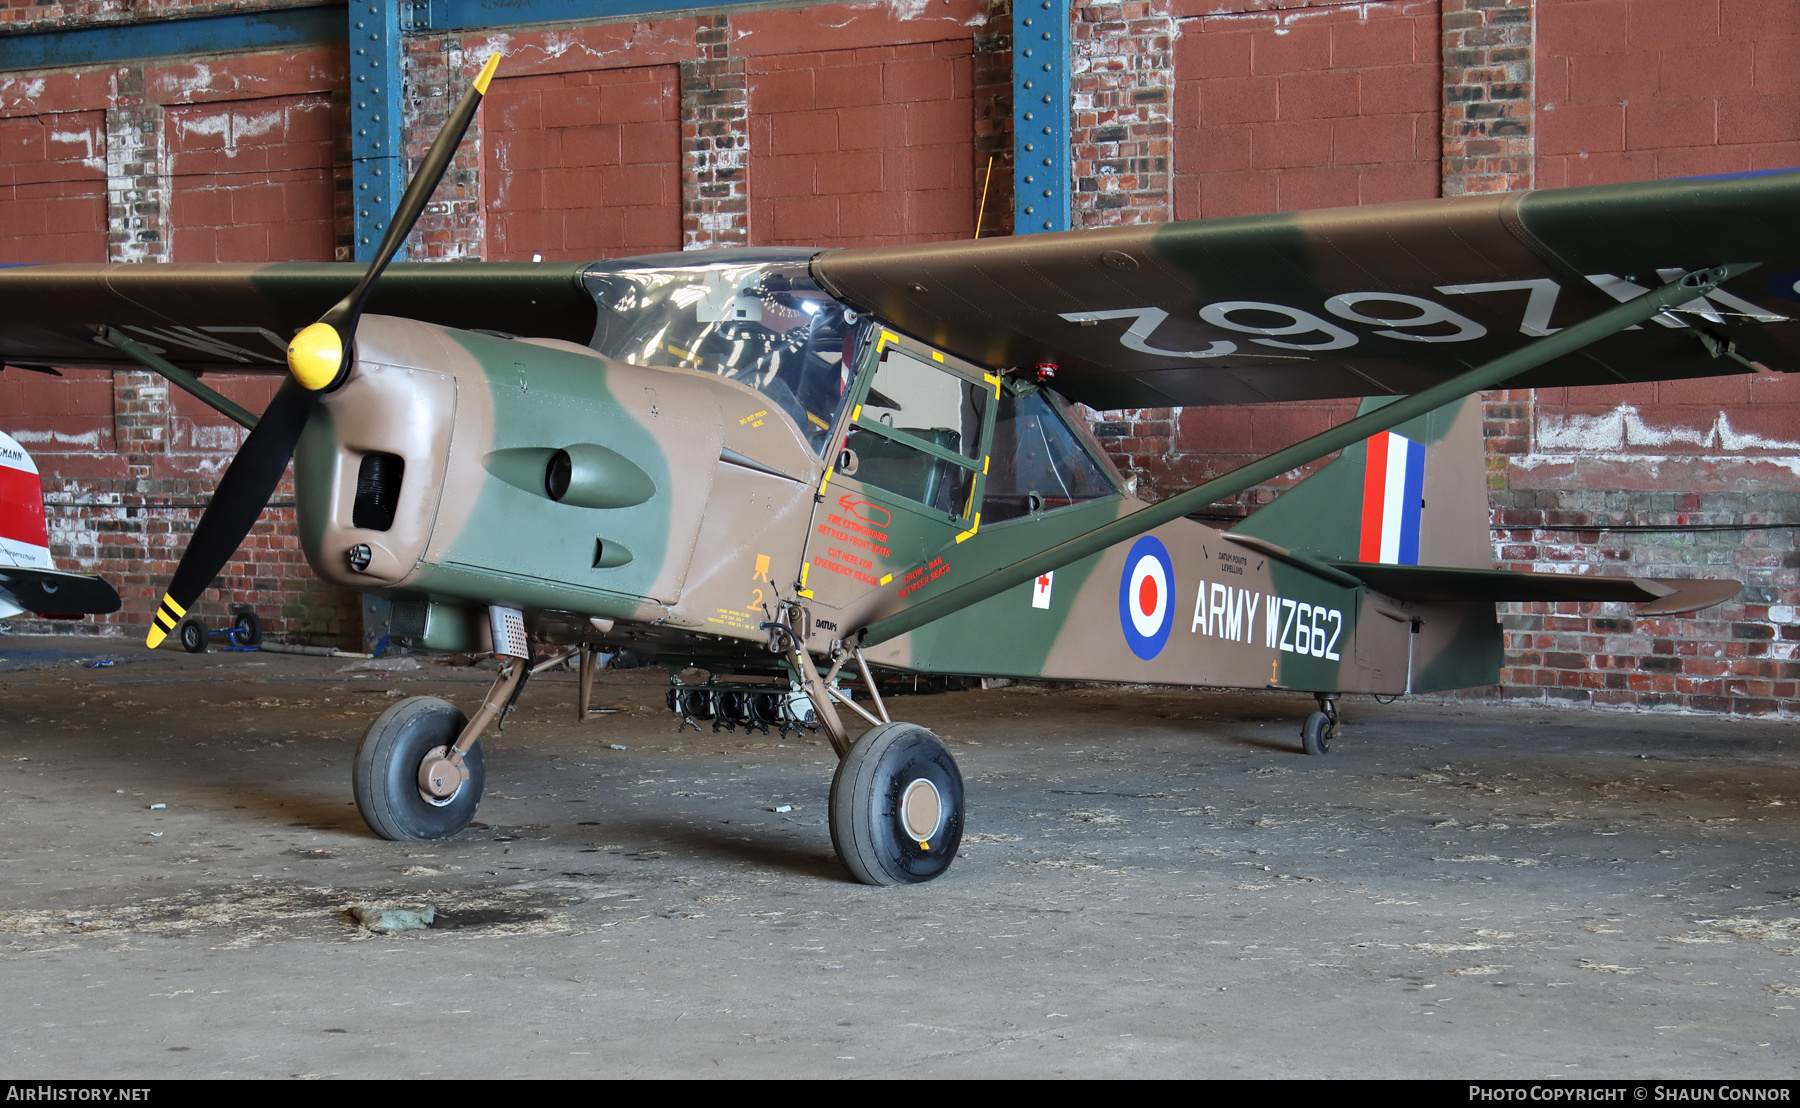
(192, 634)
(248, 629)
(1316, 734)
(884, 773)
(386, 775)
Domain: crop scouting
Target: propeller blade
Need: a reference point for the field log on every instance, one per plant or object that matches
(320, 353)
(318, 358)
(240, 498)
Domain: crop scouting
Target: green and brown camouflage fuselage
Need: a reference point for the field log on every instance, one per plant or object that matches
(744, 513)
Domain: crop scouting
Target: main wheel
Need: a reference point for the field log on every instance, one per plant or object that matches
(389, 794)
(193, 635)
(897, 806)
(247, 629)
(1316, 734)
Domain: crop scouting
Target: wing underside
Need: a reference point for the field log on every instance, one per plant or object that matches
(1367, 301)
(240, 317)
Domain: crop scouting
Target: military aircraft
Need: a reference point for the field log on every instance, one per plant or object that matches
(790, 468)
(29, 579)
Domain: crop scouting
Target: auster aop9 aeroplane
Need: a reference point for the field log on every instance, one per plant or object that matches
(789, 467)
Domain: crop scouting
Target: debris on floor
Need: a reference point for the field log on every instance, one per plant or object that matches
(386, 921)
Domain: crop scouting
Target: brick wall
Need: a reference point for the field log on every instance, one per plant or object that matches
(582, 165)
(1631, 90)
(173, 161)
(863, 147)
(53, 186)
(1639, 89)
(1489, 80)
(253, 180)
(1123, 78)
(1309, 106)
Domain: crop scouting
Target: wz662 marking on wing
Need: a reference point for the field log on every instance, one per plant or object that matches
(1420, 320)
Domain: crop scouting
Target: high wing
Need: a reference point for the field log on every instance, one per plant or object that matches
(240, 317)
(1374, 300)
(1365, 301)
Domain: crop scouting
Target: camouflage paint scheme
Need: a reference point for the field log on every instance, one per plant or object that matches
(742, 513)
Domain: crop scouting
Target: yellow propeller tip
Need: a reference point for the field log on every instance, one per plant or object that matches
(487, 73)
(315, 356)
(155, 638)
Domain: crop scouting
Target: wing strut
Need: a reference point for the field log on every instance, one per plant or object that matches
(1494, 373)
(180, 378)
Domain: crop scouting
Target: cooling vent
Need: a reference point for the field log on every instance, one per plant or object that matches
(377, 491)
(407, 618)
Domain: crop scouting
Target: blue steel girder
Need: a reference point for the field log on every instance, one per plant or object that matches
(107, 43)
(1041, 104)
(377, 170)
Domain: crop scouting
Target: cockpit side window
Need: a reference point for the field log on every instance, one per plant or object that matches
(1038, 464)
(769, 326)
(917, 432)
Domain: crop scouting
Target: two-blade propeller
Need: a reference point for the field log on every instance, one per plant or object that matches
(319, 358)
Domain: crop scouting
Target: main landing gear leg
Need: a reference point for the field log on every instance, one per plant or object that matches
(419, 770)
(1321, 727)
(896, 808)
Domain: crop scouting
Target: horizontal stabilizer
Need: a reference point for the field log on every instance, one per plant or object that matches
(1658, 596)
(53, 592)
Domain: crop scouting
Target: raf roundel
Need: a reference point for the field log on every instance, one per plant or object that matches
(1147, 597)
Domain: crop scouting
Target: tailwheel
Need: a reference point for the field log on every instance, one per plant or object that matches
(408, 787)
(1321, 727)
(897, 806)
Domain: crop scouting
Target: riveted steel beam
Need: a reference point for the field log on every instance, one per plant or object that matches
(377, 172)
(1041, 171)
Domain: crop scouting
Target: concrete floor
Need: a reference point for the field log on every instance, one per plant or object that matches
(1154, 883)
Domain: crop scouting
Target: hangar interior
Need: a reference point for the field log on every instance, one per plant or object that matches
(250, 132)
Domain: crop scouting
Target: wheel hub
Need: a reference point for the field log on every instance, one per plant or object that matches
(441, 776)
(921, 811)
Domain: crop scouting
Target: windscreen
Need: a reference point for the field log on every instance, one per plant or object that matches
(767, 325)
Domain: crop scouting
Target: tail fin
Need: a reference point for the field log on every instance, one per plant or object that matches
(24, 538)
(1416, 495)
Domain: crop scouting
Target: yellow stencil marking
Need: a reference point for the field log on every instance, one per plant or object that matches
(936, 357)
(857, 414)
(970, 533)
(886, 577)
(762, 568)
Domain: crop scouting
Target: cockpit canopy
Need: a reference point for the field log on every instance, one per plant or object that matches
(765, 323)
